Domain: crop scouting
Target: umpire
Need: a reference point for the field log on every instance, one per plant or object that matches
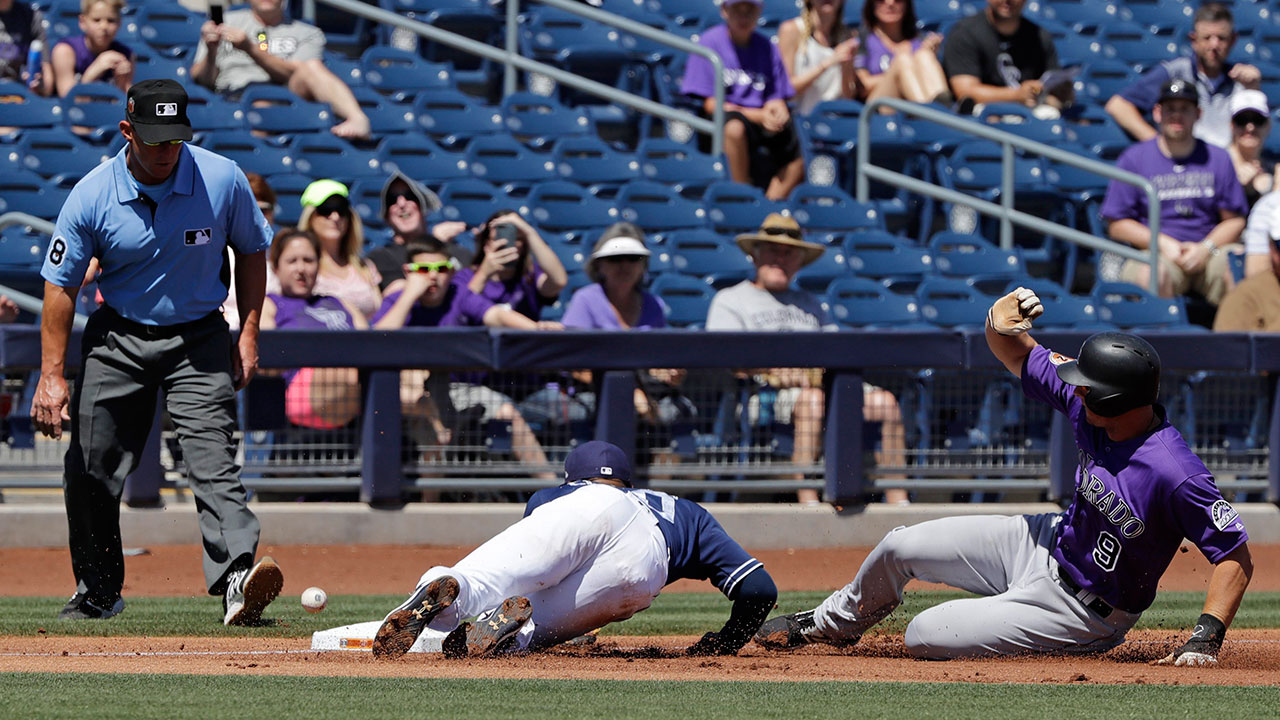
(158, 217)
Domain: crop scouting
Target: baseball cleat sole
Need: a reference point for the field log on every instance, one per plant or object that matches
(401, 628)
(261, 586)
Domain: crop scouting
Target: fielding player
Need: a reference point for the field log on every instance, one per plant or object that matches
(158, 218)
(1070, 582)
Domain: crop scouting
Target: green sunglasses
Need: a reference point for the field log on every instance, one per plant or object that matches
(164, 142)
(441, 266)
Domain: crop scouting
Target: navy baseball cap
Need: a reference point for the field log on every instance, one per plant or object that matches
(597, 459)
(1179, 90)
(157, 110)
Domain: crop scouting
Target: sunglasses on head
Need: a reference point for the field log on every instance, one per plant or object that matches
(334, 204)
(1244, 119)
(623, 258)
(792, 233)
(163, 142)
(438, 266)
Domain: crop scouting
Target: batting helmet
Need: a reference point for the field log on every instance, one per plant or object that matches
(1121, 371)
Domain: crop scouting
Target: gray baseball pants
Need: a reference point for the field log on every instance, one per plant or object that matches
(113, 405)
(1024, 608)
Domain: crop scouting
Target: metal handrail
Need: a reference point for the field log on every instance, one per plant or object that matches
(1005, 211)
(512, 60)
(24, 301)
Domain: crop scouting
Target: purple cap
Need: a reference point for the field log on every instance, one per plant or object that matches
(597, 459)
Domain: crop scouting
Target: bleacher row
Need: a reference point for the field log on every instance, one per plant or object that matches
(572, 165)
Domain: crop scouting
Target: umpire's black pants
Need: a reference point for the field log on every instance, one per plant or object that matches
(112, 408)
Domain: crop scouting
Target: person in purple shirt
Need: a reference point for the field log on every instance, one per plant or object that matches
(1060, 582)
(1202, 204)
(756, 90)
(320, 398)
(513, 265)
(95, 56)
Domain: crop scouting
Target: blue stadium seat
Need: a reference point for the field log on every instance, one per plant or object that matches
(288, 188)
(687, 170)
(658, 208)
(345, 69)
(1062, 310)
(503, 160)
(452, 118)
(686, 298)
(402, 75)
(25, 191)
(572, 254)
(587, 160)
(1102, 78)
(1076, 49)
(1159, 16)
(249, 152)
(831, 210)
(567, 209)
(952, 303)
(899, 263)
(94, 110)
(1105, 140)
(470, 18)
(208, 111)
(171, 30)
(30, 112)
(343, 31)
(275, 110)
(159, 67)
(1135, 45)
(538, 121)
(324, 155)
(737, 208)
(830, 265)
(472, 201)
(984, 266)
(865, 303)
(422, 159)
(22, 248)
(704, 254)
(365, 196)
(1131, 307)
(59, 154)
(385, 117)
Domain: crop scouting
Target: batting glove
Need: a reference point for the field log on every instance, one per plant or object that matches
(1013, 313)
(1203, 647)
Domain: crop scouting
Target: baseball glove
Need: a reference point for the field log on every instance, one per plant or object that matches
(1203, 647)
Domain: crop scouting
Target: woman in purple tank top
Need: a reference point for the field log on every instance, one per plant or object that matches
(895, 61)
(95, 56)
(321, 398)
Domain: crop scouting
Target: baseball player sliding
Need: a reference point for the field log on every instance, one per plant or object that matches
(589, 552)
(1070, 582)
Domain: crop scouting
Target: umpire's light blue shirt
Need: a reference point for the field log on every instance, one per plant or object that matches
(167, 270)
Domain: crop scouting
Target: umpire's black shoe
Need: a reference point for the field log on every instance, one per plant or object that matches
(791, 631)
(492, 633)
(401, 628)
(79, 607)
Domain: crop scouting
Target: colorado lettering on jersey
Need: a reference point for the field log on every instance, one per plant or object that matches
(1112, 507)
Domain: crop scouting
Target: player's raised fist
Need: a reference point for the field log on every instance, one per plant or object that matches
(1013, 313)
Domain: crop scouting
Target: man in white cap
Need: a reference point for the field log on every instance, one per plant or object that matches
(769, 303)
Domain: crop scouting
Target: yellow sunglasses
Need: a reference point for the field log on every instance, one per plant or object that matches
(163, 142)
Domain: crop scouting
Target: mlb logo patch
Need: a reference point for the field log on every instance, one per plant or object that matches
(202, 236)
(1222, 514)
(606, 470)
(166, 109)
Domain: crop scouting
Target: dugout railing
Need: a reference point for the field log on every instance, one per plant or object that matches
(1217, 389)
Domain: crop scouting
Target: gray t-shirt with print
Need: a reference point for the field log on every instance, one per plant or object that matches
(290, 40)
(747, 307)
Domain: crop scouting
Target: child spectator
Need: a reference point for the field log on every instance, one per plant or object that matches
(817, 49)
(95, 56)
(756, 92)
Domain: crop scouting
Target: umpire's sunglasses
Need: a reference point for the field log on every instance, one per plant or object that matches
(163, 142)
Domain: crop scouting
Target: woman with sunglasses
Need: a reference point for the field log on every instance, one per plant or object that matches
(318, 398)
(326, 213)
(514, 265)
(1250, 125)
(894, 60)
(817, 49)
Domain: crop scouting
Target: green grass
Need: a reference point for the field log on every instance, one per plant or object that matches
(671, 614)
(315, 698)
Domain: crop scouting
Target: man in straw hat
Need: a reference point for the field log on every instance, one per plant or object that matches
(769, 303)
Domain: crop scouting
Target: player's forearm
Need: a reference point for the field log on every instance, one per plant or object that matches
(1010, 350)
(55, 327)
(1227, 585)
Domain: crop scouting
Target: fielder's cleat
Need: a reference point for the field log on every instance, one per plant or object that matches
(249, 592)
(492, 633)
(401, 628)
(80, 608)
(791, 631)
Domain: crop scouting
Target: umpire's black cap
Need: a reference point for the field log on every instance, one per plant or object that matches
(1122, 372)
(157, 110)
(597, 459)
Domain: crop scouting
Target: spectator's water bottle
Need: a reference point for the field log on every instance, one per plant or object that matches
(32, 73)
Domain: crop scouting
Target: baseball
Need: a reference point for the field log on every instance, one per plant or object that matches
(314, 599)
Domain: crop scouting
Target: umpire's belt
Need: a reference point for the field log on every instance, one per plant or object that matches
(1095, 604)
(143, 330)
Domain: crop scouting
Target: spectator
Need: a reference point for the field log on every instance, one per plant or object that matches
(768, 303)
(8, 310)
(430, 296)
(318, 398)
(526, 275)
(406, 203)
(1254, 304)
(1212, 36)
(998, 55)
(326, 212)
(817, 49)
(1250, 125)
(894, 60)
(263, 45)
(755, 103)
(265, 195)
(1202, 207)
(95, 56)
(20, 25)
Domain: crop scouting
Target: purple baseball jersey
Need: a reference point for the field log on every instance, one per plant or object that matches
(1191, 190)
(753, 75)
(1134, 503)
(318, 312)
(459, 309)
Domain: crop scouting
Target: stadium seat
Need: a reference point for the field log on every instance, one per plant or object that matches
(419, 157)
(22, 248)
(1135, 45)
(658, 208)
(94, 110)
(830, 265)
(864, 303)
(505, 161)
(567, 209)
(402, 75)
(704, 254)
(572, 254)
(159, 67)
(1133, 308)
(208, 111)
(1160, 17)
(275, 110)
(324, 155)
(1103, 78)
(25, 191)
(898, 263)
(587, 160)
(288, 188)
(831, 210)
(951, 303)
(984, 266)
(682, 166)
(343, 31)
(29, 112)
(470, 18)
(472, 201)
(385, 117)
(365, 196)
(249, 152)
(686, 298)
(170, 29)
(737, 208)
(59, 154)
(539, 121)
(452, 118)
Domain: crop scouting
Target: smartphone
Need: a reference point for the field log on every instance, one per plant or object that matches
(507, 232)
(215, 14)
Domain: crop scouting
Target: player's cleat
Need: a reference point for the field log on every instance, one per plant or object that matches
(792, 631)
(402, 626)
(79, 608)
(492, 633)
(249, 592)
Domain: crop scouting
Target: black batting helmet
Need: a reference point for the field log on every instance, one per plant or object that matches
(1121, 371)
